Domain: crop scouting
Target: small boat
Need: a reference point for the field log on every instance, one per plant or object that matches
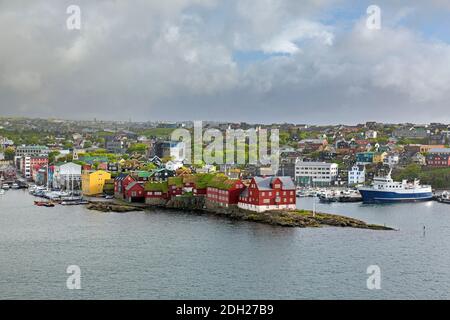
(44, 204)
(5, 186)
(109, 197)
(15, 186)
(444, 197)
(327, 197)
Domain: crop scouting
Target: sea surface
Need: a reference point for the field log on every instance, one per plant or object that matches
(173, 255)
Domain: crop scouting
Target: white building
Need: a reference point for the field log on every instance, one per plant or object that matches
(173, 165)
(392, 159)
(67, 176)
(357, 175)
(315, 173)
(371, 134)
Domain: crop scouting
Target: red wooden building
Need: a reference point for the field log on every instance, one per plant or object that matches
(134, 192)
(438, 160)
(120, 184)
(225, 193)
(271, 193)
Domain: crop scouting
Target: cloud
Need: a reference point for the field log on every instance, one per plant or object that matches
(175, 60)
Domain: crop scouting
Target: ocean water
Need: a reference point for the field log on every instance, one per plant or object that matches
(173, 255)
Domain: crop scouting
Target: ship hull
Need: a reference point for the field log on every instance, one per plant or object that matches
(372, 196)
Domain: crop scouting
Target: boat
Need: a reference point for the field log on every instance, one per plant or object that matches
(15, 186)
(444, 197)
(74, 203)
(44, 204)
(385, 189)
(5, 186)
(350, 196)
(327, 197)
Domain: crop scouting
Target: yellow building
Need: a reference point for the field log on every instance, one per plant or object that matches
(92, 182)
(378, 157)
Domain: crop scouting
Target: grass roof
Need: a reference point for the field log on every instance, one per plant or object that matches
(156, 186)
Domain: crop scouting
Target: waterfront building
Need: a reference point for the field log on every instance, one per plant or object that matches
(92, 182)
(134, 192)
(120, 184)
(224, 191)
(270, 193)
(357, 175)
(175, 186)
(156, 192)
(27, 164)
(67, 176)
(315, 173)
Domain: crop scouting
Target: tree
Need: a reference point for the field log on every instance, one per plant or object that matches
(140, 148)
(9, 153)
(52, 156)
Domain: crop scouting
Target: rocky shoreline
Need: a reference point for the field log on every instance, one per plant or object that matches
(295, 218)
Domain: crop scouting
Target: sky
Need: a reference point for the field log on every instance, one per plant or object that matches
(258, 61)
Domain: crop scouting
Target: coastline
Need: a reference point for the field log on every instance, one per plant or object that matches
(284, 218)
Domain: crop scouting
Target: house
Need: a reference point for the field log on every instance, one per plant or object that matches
(357, 175)
(173, 165)
(271, 193)
(419, 159)
(162, 174)
(371, 134)
(175, 186)
(223, 191)
(378, 157)
(392, 159)
(156, 193)
(364, 157)
(438, 160)
(120, 184)
(156, 161)
(92, 182)
(310, 145)
(135, 192)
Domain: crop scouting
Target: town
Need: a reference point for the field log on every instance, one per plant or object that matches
(139, 163)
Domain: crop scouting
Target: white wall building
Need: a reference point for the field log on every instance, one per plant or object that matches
(315, 173)
(66, 176)
(357, 175)
(392, 159)
(371, 134)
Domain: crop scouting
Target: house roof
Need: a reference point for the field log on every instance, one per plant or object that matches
(266, 183)
(132, 185)
(121, 177)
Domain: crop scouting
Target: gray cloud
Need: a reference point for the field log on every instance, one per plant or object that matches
(175, 60)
